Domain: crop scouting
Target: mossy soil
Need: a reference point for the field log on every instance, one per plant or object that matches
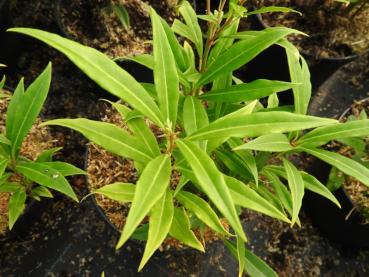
(70, 239)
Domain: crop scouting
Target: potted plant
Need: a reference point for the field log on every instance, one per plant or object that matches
(337, 31)
(200, 142)
(26, 167)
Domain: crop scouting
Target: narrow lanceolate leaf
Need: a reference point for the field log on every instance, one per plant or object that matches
(109, 136)
(257, 124)
(41, 191)
(65, 169)
(296, 185)
(254, 266)
(194, 117)
(4, 140)
(181, 230)
(202, 210)
(247, 91)
(103, 71)
(212, 182)
(47, 176)
(269, 143)
(165, 72)
(16, 206)
(242, 52)
(121, 192)
(161, 218)
(248, 198)
(346, 165)
(190, 17)
(3, 165)
(240, 256)
(140, 129)
(47, 155)
(322, 135)
(310, 182)
(26, 108)
(270, 9)
(299, 73)
(149, 189)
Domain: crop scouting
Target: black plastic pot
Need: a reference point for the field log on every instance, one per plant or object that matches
(321, 68)
(10, 45)
(335, 96)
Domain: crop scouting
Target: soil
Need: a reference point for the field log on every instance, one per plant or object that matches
(37, 140)
(105, 168)
(332, 33)
(92, 23)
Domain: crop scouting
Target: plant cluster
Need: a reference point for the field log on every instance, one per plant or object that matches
(230, 141)
(19, 175)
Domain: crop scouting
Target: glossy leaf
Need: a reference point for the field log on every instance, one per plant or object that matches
(322, 135)
(202, 210)
(16, 206)
(102, 70)
(346, 165)
(24, 109)
(269, 143)
(257, 124)
(248, 198)
(181, 230)
(41, 191)
(45, 175)
(8, 186)
(161, 218)
(211, 182)
(247, 91)
(240, 256)
(151, 186)
(140, 129)
(65, 169)
(47, 155)
(165, 71)
(121, 192)
(296, 185)
(242, 52)
(107, 135)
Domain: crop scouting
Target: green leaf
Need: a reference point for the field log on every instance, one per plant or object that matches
(122, 13)
(248, 198)
(211, 182)
(296, 185)
(242, 52)
(346, 165)
(194, 117)
(121, 192)
(3, 165)
(190, 17)
(161, 218)
(273, 101)
(247, 91)
(9, 186)
(47, 176)
(149, 189)
(280, 190)
(4, 140)
(65, 169)
(234, 163)
(240, 256)
(103, 71)
(257, 124)
(310, 182)
(165, 72)
(140, 129)
(181, 230)
(322, 135)
(23, 112)
(16, 206)
(107, 135)
(270, 9)
(269, 143)
(47, 155)
(299, 73)
(254, 266)
(41, 192)
(176, 48)
(202, 210)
